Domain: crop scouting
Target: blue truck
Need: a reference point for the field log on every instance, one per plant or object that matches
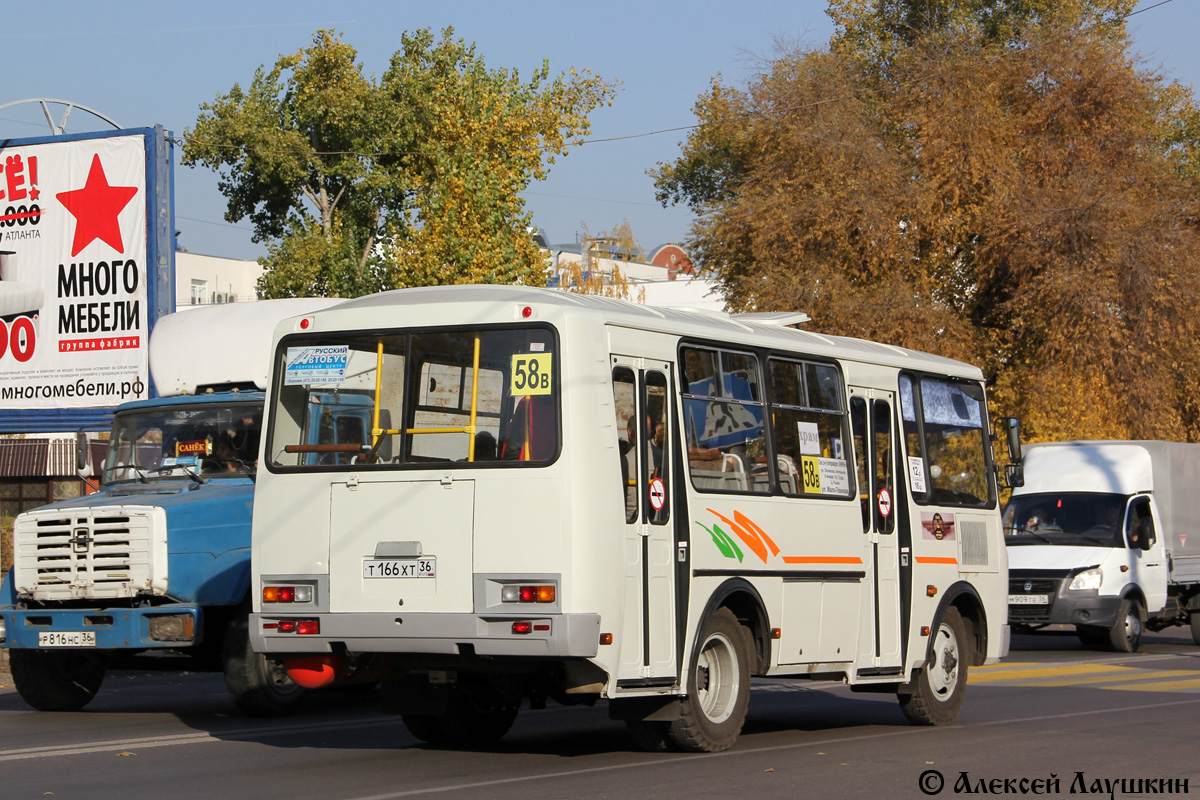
(153, 569)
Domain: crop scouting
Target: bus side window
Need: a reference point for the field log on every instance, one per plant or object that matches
(625, 406)
(858, 422)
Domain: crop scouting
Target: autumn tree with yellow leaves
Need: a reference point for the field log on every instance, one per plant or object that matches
(359, 185)
(1001, 183)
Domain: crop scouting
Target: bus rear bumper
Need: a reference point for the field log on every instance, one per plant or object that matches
(551, 635)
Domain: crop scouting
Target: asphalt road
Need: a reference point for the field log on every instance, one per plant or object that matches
(1053, 713)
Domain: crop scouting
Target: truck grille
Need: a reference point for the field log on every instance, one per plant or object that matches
(90, 553)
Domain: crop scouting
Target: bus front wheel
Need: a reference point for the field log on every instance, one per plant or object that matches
(718, 688)
(939, 687)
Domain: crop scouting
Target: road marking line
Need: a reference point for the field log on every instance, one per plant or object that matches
(1160, 686)
(1139, 674)
(1047, 672)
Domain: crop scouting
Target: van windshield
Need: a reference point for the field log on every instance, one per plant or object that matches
(396, 399)
(1079, 519)
(211, 440)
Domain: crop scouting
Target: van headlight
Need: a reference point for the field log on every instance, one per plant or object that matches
(1088, 580)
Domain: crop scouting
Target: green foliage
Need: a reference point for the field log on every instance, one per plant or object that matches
(995, 182)
(412, 179)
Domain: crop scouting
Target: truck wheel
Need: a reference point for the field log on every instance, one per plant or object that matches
(718, 688)
(941, 684)
(1196, 627)
(1126, 635)
(259, 687)
(55, 680)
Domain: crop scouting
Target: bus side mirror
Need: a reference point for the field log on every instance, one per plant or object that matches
(1014, 476)
(1012, 430)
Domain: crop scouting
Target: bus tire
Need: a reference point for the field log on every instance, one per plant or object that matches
(55, 680)
(1195, 617)
(718, 688)
(260, 687)
(1126, 635)
(469, 722)
(941, 685)
(649, 737)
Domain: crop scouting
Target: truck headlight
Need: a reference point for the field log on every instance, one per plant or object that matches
(1088, 580)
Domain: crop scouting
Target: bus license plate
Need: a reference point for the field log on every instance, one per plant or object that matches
(400, 567)
(66, 639)
(1028, 599)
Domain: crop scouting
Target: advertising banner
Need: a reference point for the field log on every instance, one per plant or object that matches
(74, 273)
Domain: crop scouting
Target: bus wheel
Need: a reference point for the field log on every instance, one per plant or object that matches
(1126, 635)
(942, 683)
(55, 680)
(259, 686)
(718, 688)
(651, 737)
(1196, 627)
(467, 721)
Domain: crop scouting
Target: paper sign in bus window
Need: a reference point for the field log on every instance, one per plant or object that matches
(810, 438)
(314, 366)
(531, 374)
(916, 474)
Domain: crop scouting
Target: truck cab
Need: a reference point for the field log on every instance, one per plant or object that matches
(153, 569)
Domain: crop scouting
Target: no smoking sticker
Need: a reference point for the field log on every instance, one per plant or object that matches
(885, 503)
(658, 494)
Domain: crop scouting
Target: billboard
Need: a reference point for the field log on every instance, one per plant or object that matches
(86, 257)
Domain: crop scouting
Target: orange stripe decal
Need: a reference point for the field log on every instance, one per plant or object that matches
(935, 560)
(822, 560)
(752, 541)
(753, 526)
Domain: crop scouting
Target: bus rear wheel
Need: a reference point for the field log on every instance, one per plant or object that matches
(718, 688)
(941, 685)
(467, 720)
(259, 686)
(55, 680)
(1195, 619)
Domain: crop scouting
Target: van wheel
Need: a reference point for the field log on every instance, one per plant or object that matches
(718, 688)
(941, 685)
(55, 680)
(260, 687)
(1196, 627)
(1126, 635)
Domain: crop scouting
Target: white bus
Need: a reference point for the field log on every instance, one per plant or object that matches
(579, 498)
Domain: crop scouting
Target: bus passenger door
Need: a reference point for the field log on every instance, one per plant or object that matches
(642, 399)
(875, 459)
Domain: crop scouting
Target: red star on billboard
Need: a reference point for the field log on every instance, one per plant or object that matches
(95, 208)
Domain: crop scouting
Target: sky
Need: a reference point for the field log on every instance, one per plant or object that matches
(145, 63)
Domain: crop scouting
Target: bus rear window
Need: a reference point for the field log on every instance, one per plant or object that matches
(396, 399)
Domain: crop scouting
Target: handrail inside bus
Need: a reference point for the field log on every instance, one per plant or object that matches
(378, 433)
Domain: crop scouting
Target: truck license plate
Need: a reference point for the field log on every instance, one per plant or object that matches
(400, 567)
(1028, 599)
(66, 639)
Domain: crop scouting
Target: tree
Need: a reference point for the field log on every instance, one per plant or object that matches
(412, 179)
(599, 268)
(1000, 183)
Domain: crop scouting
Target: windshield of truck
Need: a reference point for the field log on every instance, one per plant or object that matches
(1082, 520)
(386, 400)
(203, 440)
